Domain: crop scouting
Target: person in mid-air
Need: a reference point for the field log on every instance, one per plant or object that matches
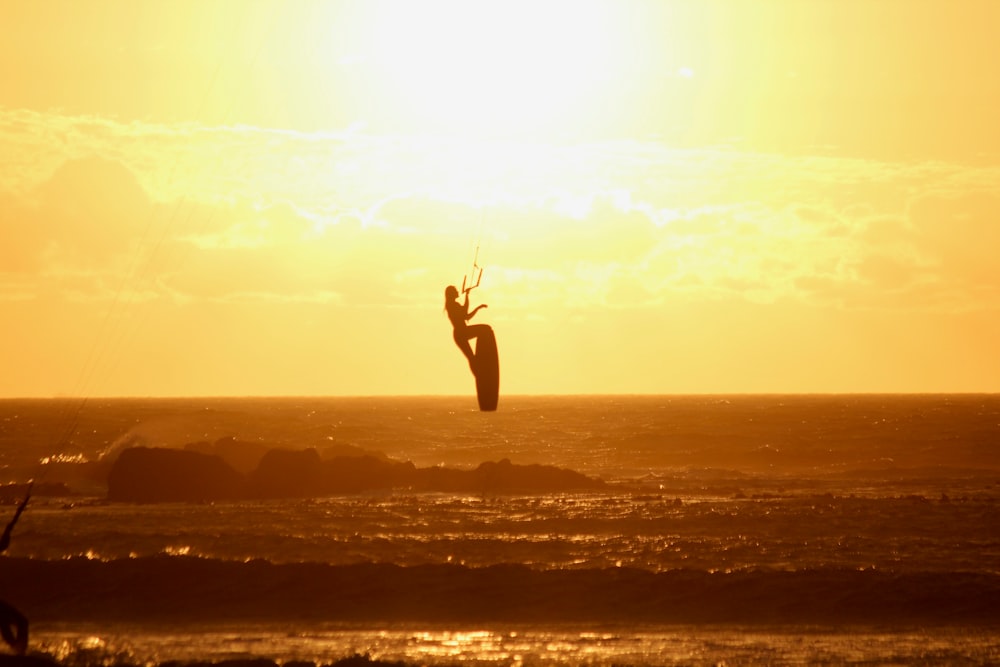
(459, 315)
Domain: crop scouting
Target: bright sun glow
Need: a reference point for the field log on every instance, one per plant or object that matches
(667, 195)
(493, 68)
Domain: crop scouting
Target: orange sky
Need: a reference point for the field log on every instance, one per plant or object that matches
(268, 198)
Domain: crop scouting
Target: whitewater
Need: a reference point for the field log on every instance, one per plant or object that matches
(817, 529)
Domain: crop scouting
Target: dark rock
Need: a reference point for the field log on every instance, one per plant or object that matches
(242, 455)
(504, 476)
(287, 473)
(352, 474)
(448, 480)
(339, 450)
(144, 474)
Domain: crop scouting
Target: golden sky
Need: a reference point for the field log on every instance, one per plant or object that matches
(229, 197)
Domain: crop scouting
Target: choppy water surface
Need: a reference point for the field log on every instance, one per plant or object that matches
(821, 485)
(619, 528)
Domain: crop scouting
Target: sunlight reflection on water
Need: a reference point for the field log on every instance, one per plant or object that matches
(530, 646)
(645, 530)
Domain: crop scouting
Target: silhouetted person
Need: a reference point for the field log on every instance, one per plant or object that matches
(13, 628)
(459, 315)
(13, 624)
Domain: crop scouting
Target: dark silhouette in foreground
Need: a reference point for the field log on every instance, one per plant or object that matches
(13, 627)
(484, 361)
(13, 624)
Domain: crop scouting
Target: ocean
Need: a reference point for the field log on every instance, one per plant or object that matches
(782, 530)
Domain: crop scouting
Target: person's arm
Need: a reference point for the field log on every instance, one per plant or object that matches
(475, 310)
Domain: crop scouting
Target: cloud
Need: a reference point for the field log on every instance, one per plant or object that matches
(348, 259)
(89, 231)
(216, 213)
(88, 216)
(213, 244)
(961, 234)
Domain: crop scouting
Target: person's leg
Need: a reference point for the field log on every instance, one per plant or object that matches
(474, 331)
(463, 345)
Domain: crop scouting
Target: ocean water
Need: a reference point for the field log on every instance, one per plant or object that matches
(731, 529)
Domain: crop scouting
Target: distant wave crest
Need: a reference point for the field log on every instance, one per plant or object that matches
(185, 588)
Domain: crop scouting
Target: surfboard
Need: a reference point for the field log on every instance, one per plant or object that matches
(486, 368)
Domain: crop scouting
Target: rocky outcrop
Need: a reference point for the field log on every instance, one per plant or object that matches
(149, 474)
(287, 473)
(507, 477)
(163, 475)
(245, 456)
(241, 455)
(503, 477)
(351, 474)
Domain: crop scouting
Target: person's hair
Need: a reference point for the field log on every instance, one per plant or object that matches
(450, 294)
